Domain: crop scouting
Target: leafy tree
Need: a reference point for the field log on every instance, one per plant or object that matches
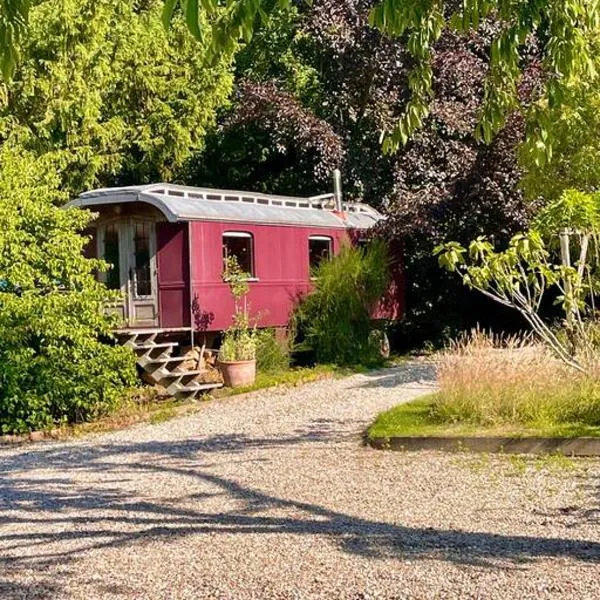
(574, 163)
(269, 142)
(521, 275)
(111, 96)
(562, 25)
(54, 366)
(443, 184)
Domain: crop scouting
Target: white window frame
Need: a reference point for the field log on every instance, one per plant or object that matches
(247, 235)
(319, 238)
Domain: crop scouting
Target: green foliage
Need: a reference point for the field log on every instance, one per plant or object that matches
(335, 319)
(519, 276)
(575, 210)
(109, 94)
(563, 26)
(54, 368)
(571, 130)
(272, 353)
(418, 418)
(239, 341)
(236, 278)
(523, 265)
(13, 20)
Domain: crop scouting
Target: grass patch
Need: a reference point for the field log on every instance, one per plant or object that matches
(419, 418)
(290, 377)
(491, 386)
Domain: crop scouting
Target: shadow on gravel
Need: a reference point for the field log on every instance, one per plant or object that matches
(423, 373)
(102, 514)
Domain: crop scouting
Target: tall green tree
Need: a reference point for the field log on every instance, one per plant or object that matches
(55, 367)
(562, 26)
(109, 94)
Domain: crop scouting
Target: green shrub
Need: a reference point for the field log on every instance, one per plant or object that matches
(238, 344)
(334, 320)
(272, 354)
(53, 366)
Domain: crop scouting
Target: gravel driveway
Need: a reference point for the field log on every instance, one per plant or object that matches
(272, 495)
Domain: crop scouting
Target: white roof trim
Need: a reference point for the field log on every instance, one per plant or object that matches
(184, 203)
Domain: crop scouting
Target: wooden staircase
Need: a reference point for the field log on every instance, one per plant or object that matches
(162, 367)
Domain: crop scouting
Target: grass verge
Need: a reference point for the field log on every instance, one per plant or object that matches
(290, 377)
(418, 419)
(144, 406)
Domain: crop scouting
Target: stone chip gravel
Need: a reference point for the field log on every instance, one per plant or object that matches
(273, 495)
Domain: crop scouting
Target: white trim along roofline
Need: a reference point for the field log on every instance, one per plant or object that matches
(184, 203)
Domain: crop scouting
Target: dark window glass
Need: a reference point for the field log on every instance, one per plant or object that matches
(112, 256)
(141, 240)
(318, 249)
(240, 246)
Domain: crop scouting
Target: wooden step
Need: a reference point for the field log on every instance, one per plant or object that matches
(161, 367)
(154, 345)
(179, 374)
(149, 361)
(148, 351)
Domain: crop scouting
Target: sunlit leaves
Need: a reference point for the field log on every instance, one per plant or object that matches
(563, 25)
(571, 131)
(126, 99)
(573, 210)
(13, 22)
(54, 368)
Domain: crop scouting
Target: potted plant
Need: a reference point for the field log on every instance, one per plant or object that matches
(237, 355)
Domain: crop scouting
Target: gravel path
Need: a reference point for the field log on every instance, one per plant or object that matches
(272, 495)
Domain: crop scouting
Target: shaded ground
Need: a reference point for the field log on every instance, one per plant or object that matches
(272, 495)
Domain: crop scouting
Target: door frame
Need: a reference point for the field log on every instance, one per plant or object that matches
(133, 300)
(126, 230)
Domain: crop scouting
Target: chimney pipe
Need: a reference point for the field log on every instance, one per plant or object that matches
(337, 190)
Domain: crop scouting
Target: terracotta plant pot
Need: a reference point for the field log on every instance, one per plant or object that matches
(238, 373)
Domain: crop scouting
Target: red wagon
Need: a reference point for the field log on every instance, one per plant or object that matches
(167, 244)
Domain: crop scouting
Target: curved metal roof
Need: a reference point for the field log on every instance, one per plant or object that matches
(183, 203)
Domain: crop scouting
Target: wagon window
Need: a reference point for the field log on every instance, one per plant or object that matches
(240, 245)
(111, 256)
(319, 248)
(141, 242)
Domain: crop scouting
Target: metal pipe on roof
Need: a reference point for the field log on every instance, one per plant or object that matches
(337, 190)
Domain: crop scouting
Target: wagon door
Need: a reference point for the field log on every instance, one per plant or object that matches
(142, 293)
(113, 247)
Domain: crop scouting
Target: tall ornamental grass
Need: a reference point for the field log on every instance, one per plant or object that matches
(487, 380)
(335, 319)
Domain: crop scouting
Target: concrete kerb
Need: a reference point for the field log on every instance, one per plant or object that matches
(582, 446)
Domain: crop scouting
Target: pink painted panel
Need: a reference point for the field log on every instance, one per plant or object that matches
(281, 268)
(173, 274)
